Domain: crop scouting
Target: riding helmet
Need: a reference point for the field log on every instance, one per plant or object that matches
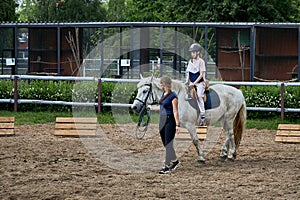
(195, 47)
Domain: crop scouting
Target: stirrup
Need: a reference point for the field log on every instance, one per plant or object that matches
(188, 97)
(202, 121)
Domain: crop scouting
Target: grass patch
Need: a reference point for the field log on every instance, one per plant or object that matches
(269, 123)
(31, 118)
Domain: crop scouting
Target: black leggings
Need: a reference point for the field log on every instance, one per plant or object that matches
(167, 130)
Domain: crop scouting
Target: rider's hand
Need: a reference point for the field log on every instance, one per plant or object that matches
(192, 84)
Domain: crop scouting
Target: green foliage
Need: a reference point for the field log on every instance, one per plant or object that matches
(7, 10)
(6, 89)
(213, 11)
(251, 11)
(269, 96)
(70, 10)
(157, 10)
(87, 91)
(82, 91)
(116, 10)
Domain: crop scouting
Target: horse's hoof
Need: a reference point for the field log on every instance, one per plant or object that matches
(201, 161)
(223, 158)
(234, 155)
(230, 159)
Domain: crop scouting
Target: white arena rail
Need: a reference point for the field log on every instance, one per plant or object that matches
(66, 78)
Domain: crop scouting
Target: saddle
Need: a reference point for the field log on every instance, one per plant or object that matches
(193, 91)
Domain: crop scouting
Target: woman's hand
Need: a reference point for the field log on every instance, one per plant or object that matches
(177, 129)
(153, 107)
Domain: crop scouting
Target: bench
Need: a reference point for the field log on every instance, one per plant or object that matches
(7, 125)
(185, 135)
(289, 133)
(69, 126)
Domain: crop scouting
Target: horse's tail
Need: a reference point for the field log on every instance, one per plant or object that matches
(239, 125)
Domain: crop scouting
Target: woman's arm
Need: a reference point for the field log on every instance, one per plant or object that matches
(154, 107)
(175, 111)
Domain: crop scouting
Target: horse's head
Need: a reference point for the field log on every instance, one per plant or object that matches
(145, 93)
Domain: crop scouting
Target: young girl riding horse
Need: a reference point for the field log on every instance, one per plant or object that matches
(196, 77)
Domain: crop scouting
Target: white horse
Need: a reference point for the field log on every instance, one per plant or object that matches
(230, 111)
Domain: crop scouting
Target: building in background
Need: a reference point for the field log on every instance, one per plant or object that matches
(235, 51)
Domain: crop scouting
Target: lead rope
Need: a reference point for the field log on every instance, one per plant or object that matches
(143, 122)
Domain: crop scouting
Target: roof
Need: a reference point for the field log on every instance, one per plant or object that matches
(150, 24)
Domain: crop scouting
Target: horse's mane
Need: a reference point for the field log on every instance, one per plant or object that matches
(144, 81)
(176, 84)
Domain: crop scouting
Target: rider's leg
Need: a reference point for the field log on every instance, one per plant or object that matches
(200, 94)
(188, 95)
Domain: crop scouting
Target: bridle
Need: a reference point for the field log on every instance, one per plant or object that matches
(148, 94)
(144, 115)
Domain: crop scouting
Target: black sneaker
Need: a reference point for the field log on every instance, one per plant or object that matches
(164, 170)
(174, 165)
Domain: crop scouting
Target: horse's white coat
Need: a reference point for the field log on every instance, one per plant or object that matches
(232, 107)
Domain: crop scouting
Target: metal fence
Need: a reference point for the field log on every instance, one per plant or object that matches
(98, 104)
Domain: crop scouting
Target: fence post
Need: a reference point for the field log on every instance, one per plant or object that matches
(99, 96)
(16, 93)
(282, 100)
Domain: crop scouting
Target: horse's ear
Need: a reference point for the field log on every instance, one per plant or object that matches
(141, 76)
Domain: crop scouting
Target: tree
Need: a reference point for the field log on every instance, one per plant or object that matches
(213, 10)
(62, 11)
(252, 11)
(146, 10)
(7, 10)
(116, 10)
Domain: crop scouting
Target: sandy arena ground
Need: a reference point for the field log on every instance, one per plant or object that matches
(34, 164)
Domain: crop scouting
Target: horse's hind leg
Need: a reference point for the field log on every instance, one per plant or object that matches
(229, 145)
(223, 153)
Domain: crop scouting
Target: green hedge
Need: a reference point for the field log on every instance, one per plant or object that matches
(86, 91)
(269, 96)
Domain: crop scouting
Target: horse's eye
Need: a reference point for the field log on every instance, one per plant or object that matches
(144, 91)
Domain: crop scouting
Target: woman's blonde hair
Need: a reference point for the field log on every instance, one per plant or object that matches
(166, 81)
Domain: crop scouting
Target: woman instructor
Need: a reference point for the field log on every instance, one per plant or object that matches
(168, 124)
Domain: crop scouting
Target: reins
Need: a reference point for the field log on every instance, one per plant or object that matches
(144, 117)
(143, 122)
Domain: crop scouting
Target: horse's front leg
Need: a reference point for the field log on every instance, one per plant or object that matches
(193, 132)
(200, 152)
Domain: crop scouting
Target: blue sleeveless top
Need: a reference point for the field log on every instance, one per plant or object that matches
(166, 107)
(194, 76)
